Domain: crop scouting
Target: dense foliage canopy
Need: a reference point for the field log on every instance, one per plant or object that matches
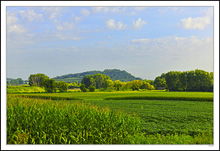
(36, 79)
(197, 80)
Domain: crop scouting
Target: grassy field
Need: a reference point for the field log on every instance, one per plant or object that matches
(156, 117)
(24, 89)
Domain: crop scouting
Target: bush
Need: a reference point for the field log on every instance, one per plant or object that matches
(49, 85)
(83, 88)
(91, 88)
(62, 86)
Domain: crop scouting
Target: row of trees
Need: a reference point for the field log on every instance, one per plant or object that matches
(105, 82)
(197, 80)
(15, 81)
(50, 85)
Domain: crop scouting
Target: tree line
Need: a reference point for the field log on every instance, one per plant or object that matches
(197, 80)
(101, 81)
(50, 85)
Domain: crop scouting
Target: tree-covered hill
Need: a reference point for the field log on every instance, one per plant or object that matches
(115, 74)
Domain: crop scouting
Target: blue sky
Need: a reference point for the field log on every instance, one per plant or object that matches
(144, 41)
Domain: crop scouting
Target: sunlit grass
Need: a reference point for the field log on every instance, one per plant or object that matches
(161, 120)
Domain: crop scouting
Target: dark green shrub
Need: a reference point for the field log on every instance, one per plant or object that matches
(49, 85)
(62, 86)
(91, 88)
(83, 88)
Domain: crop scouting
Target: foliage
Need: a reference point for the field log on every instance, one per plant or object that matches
(91, 88)
(97, 80)
(37, 79)
(31, 121)
(171, 118)
(160, 82)
(197, 80)
(117, 85)
(83, 88)
(15, 81)
(62, 86)
(163, 121)
(49, 85)
(73, 85)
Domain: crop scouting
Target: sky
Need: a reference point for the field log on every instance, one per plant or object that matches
(144, 41)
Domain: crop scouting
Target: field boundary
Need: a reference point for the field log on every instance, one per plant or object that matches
(180, 98)
(50, 97)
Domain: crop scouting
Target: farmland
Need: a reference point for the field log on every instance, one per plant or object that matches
(155, 117)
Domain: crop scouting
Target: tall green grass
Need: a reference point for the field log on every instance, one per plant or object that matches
(35, 121)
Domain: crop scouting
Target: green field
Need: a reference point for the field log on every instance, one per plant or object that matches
(24, 89)
(164, 117)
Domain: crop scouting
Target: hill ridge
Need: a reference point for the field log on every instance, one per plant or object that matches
(115, 74)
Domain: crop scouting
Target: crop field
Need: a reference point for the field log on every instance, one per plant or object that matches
(124, 117)
(24, 89)
(128, 95)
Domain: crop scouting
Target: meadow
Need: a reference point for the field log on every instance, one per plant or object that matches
(124, 117)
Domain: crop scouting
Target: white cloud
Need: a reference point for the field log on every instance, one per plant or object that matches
(77, 18)
(16, 29)
(11, 18)
(85, 12)
(31, 15)
(115, 26)
(139, 23)
(12, 24)
(53, 12)
(141, 40)
(65, 26)
(174, 45)
(208, 12)
(195, 23)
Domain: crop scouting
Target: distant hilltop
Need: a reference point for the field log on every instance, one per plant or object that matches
(115, 74)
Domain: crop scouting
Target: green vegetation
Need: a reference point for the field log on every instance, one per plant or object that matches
(49, 85)
(112, 111)
(62, 86)
(37, 79)
(114, 74)
(197, 80)
(31, 121)
(162, 121)
(24, 89)
(17, 81)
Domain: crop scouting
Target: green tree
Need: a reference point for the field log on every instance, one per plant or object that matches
(136, 84)
(16, 81)
(145, 85)
(49, 85)
(191, 81)
(117, 85)
(173, 80)
(83, 88)
(91, 88)
(88, 80)
(98, 80)
(73, 85)
(36, 79)
(160, 82)
(62, 86)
